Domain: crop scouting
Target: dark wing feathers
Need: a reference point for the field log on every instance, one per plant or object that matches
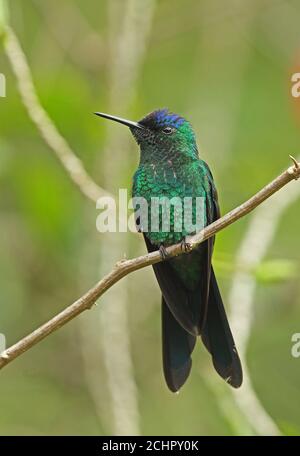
(216, 333)
(218, 340)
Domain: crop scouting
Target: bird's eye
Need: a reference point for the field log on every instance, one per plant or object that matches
(168, 130)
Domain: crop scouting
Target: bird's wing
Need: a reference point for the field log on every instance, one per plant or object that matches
(216, 333)
(218, 339)
(206, 248)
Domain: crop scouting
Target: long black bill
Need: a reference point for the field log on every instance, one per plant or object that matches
(128, 123)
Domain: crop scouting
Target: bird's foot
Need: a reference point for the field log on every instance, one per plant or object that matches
(185, 246)
(163, 252)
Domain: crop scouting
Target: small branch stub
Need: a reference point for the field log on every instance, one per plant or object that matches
(295, 170)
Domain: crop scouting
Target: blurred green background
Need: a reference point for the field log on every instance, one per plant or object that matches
(228, 69)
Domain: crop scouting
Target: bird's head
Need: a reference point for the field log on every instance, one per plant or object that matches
(161, 133)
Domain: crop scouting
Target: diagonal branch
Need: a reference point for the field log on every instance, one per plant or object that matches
(125, 267)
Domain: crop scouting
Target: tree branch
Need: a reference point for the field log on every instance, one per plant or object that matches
(125, 267)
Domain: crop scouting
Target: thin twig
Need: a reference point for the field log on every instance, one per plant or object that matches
(125, 267)
(41, 119)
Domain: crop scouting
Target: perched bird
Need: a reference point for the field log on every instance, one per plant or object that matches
(191, 302)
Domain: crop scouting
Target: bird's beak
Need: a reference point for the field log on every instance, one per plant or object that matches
(129, 123)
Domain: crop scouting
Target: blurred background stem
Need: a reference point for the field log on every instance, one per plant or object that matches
(129, 26)
(257, 240)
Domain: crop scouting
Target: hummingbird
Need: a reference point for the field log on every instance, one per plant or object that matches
(191, 303)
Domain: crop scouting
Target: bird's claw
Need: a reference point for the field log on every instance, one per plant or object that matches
(163, 252)
(185, 246)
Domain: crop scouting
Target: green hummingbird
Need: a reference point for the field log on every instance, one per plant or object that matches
(170, 167)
